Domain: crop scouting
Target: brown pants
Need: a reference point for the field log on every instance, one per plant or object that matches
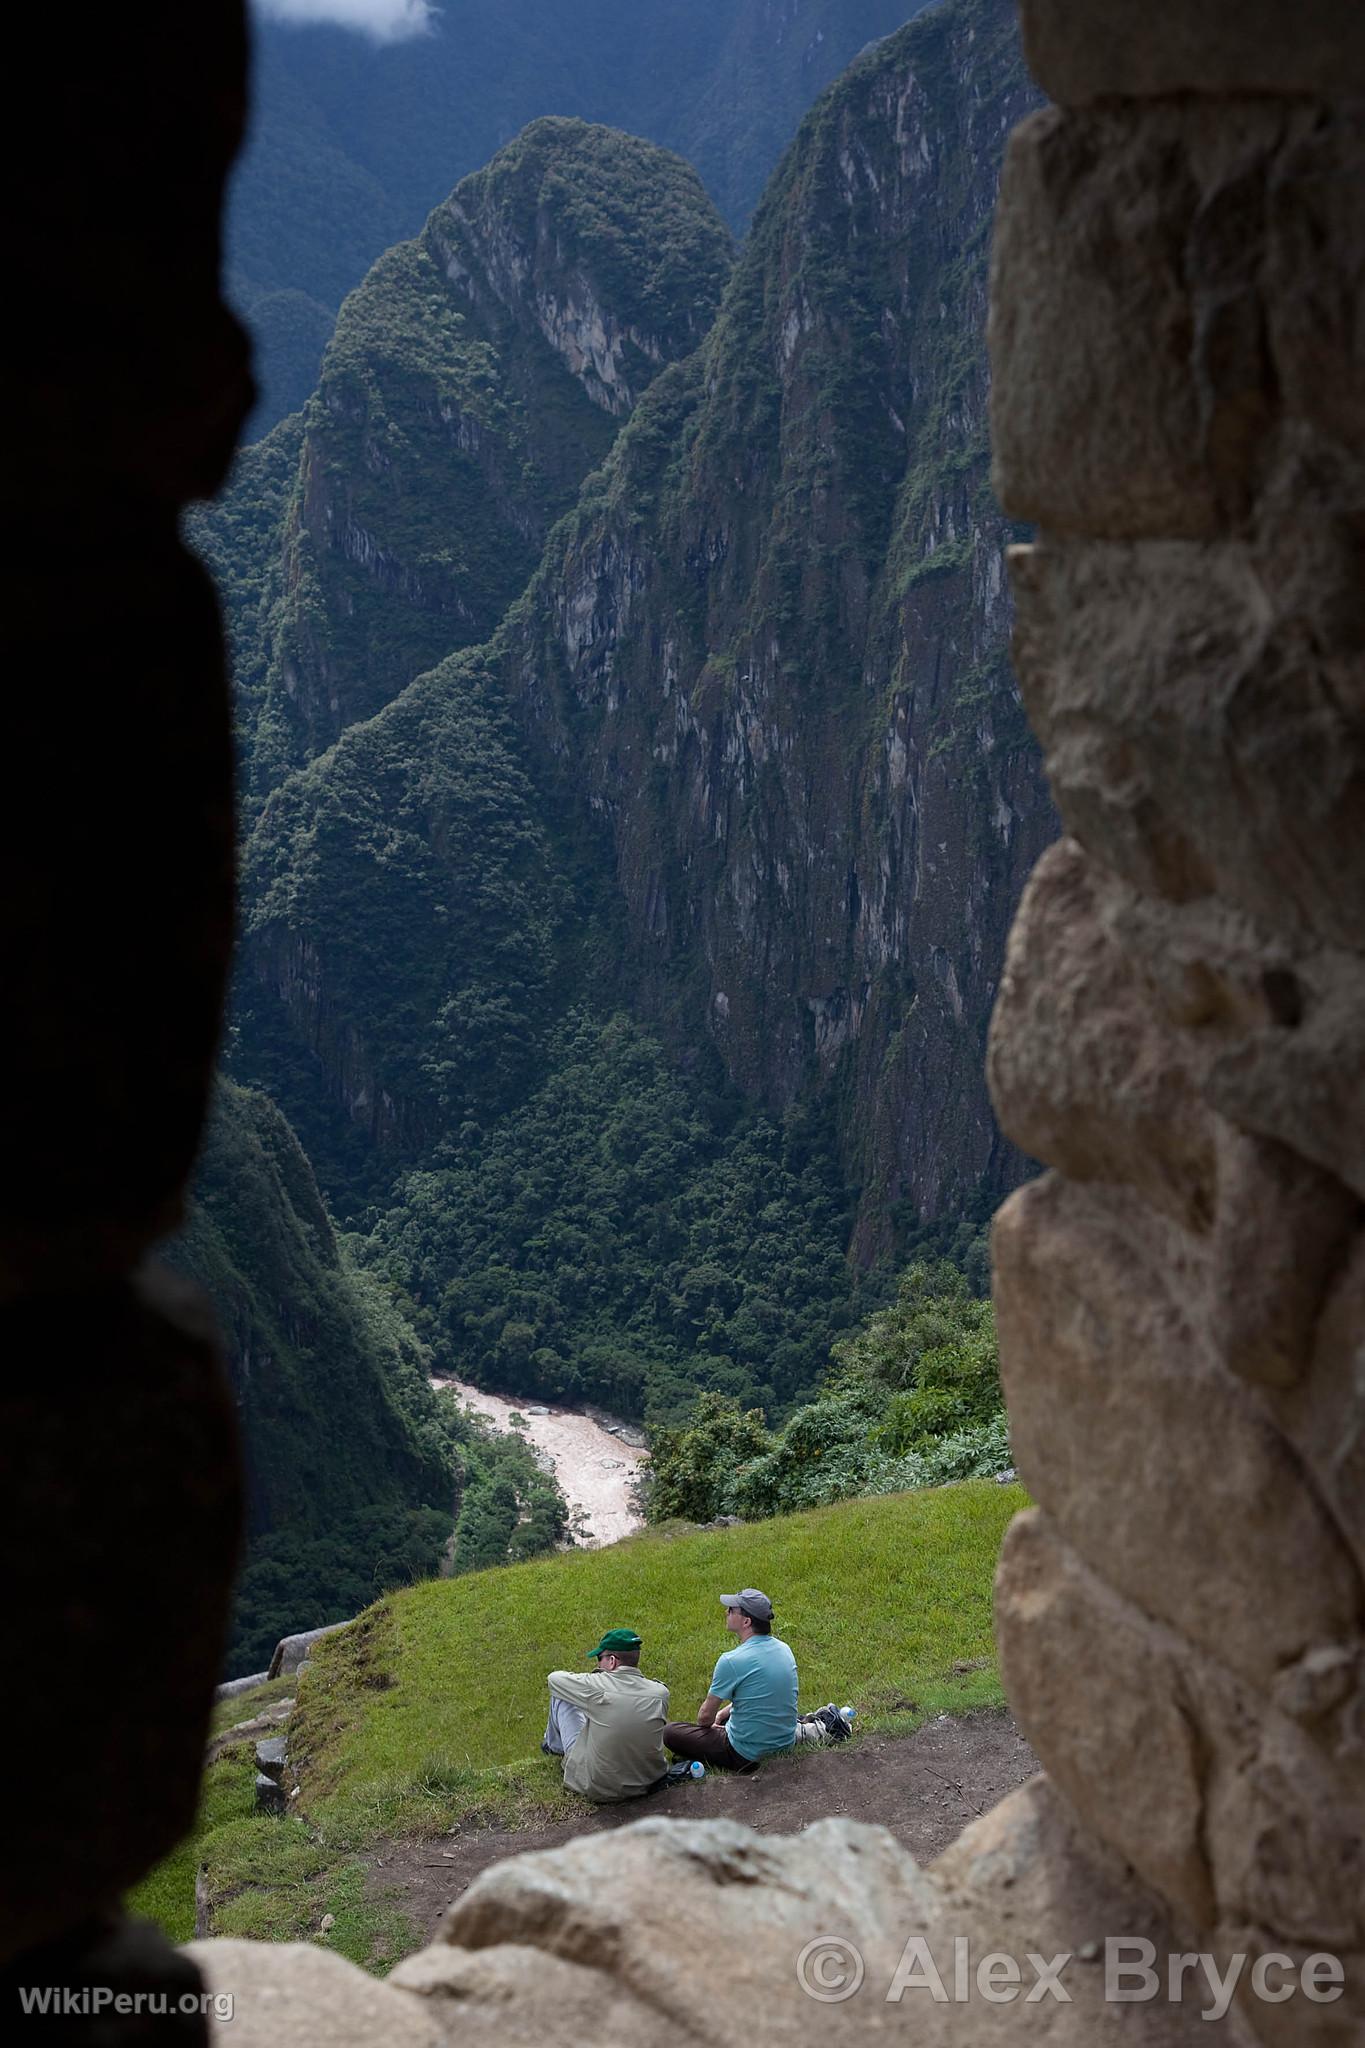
(711, 1745)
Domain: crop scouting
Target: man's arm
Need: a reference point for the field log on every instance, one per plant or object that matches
(579, 1688)
(713, 1712)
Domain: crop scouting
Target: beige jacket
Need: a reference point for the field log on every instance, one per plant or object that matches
(621, 1752)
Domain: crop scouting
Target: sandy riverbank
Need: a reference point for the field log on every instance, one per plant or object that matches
(594, 1469)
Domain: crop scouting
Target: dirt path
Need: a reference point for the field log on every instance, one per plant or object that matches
(925, 1787)
(593, 1468)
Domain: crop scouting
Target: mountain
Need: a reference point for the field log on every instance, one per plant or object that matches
(353, 144)
(746, 760)
(767, 654)
(474, 378)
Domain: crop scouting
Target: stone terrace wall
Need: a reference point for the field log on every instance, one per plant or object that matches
(1178, 344)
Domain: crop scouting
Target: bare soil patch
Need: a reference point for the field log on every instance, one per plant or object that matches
(924, 1787)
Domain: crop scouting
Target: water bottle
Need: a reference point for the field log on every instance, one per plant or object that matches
(847, 1713)
(698, 1767)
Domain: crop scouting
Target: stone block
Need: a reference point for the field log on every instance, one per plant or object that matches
(1094, 416)
(1195, 741)
(1083, 50)
(1304, 1083)
(1314, 280)
(270, 1794)
(1282, 1026)
(125, 915)
(271, 1755)
(1175, 296)
(292, 1652)
(1324, 1415)
(289, 1994)
(1085, 1070)
(1160, 1468)
(1282, 1229)
(133, 1438)
(1232, 1811)
(664, 1927)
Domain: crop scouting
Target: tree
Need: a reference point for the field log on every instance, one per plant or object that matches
(691, 1468)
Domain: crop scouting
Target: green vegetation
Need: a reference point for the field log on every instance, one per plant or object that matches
(355, 1468)
(626, 1237)
(428, 1714)
(269, 1878)
(411, 863)
(238, 537)
(911, 1398)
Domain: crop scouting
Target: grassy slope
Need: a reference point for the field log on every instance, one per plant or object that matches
(430, 1712)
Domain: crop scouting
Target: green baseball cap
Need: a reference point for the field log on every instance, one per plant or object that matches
(616, 1639)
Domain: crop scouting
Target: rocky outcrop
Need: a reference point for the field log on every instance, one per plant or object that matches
(474, 378)
(1179, 402)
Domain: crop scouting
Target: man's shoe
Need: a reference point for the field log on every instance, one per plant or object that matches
(675, 1773)
(839, 1730)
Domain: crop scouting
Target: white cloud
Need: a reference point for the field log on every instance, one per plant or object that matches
(387, 21)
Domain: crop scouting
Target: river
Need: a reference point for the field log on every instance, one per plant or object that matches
(593, 1468)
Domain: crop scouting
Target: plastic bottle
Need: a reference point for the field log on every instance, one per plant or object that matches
(847, 1713)
(698, 1767)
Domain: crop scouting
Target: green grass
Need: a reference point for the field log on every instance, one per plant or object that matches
(166, 1894)
(429, 1712)
(879, 1598)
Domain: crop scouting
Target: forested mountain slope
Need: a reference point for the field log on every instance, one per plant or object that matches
(474, 378)
(356, 1470)
(351, 145)
(344, 1442)
(750, 742)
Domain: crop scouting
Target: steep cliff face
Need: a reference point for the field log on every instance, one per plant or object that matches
(473, 379)
(771, 650)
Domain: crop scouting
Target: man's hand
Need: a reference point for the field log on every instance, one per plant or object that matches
(711, 1713)
(725, 1712)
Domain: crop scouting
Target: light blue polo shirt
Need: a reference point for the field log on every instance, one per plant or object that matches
(760, 1678)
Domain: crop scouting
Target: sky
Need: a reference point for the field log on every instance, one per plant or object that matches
(385, 21)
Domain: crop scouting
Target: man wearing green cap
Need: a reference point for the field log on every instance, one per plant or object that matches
(608, 1724)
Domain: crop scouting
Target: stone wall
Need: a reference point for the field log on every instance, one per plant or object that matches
(1178, 340)
(118, 1474)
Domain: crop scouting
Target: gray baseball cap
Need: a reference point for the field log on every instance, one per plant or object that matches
(756, 1605)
